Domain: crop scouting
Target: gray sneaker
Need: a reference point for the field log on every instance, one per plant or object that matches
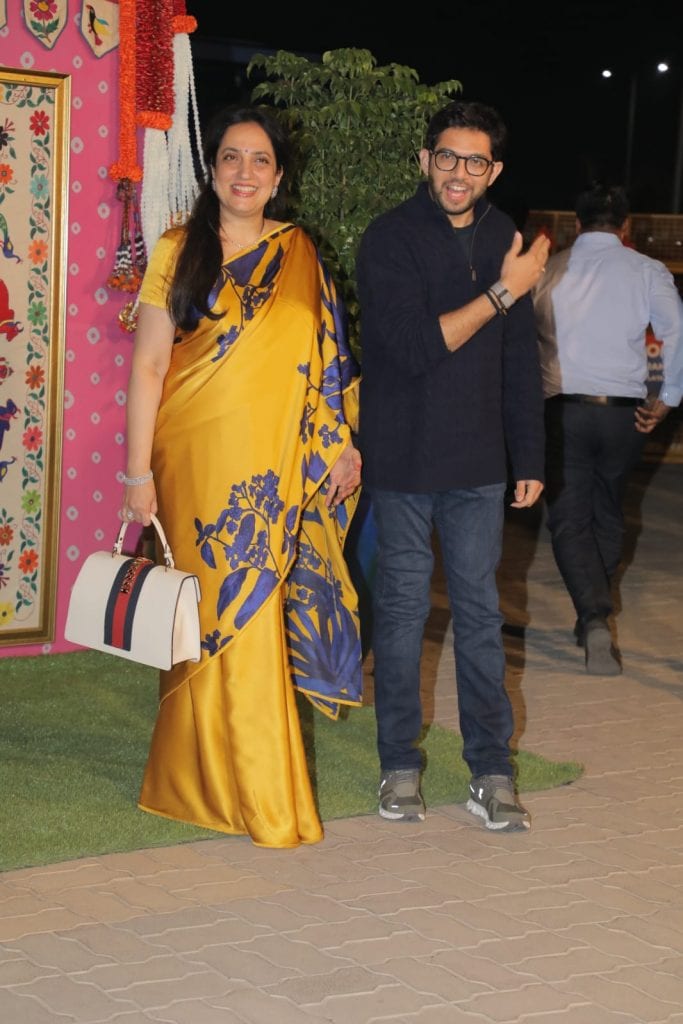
(492, 797)
(399, 795)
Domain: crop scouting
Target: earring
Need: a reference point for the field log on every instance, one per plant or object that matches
(213, 184)
(273, 193)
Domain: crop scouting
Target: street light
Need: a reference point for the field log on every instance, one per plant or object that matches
(662, 67)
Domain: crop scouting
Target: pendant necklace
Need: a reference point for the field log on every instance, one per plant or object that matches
(242, 245)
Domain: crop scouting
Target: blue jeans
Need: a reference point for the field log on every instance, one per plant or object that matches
(470, 528)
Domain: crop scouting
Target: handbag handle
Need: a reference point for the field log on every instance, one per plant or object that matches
(168, 556)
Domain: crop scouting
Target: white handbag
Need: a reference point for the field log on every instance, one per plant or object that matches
(132, 607)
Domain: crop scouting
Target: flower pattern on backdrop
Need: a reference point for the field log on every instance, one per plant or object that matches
(21, 517)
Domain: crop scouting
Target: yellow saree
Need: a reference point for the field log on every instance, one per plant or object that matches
(256, 408)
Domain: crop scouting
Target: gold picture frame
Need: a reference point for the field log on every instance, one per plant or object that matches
(34, 166)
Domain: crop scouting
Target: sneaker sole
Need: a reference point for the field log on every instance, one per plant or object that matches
(520, 824)
(412, 816)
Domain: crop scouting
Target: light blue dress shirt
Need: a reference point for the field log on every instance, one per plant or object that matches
(593, 305)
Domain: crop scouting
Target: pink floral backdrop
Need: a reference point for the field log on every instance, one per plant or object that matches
(97, 349)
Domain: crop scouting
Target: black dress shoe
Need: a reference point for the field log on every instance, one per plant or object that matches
(601, 658)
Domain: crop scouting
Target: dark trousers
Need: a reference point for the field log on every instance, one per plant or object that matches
(470, 527)
(590, 451)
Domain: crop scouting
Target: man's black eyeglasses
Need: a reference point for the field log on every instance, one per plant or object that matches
(447, 160)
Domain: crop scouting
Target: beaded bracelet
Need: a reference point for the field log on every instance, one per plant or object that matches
(133, 481)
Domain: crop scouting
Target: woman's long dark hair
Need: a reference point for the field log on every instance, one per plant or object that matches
(201, 256)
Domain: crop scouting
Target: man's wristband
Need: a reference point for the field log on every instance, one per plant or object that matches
(500, 298)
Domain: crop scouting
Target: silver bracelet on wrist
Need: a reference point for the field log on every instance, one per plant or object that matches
(133, 481)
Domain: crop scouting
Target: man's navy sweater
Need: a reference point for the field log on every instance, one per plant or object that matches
(431, 419)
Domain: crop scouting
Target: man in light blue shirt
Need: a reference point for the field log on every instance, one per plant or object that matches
(593, 306)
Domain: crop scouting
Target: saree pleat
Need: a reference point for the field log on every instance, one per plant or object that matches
(256, 408)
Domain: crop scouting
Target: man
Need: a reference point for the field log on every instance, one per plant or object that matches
(593, 307)
(450, 374)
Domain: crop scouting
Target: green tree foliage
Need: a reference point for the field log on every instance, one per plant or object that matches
(357, 130)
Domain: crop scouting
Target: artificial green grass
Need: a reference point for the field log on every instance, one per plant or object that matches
(74, 735)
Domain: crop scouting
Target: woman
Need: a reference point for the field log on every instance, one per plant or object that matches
(241, 401)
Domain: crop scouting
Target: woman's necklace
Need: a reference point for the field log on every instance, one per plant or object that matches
(242, 245)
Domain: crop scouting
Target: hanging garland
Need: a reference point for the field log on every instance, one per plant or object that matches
(154, 66)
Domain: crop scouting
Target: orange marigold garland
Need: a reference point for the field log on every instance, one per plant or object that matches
(127, 164)
(156, 92)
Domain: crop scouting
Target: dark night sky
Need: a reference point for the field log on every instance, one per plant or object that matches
(538, 64)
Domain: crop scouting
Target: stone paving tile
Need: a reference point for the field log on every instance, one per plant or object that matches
(445, 924)
(354, 894)
(585, 1013)
(223, 893)
(332, 936)
(615, 899)
(187, 984)
(390, 903)
(617, 995)
(175, 879)
(571, 873)
(137, 1017)
(253, 1007)
(577, 912)
(115, 978)
(399, 943)
(293, 953)
(383, 1002)
(615, 940)
(651, 979)
(57, 877)
(18, 1009)
(92, 905)
(155, 925)
(312, 989)
(427, 977)
(267, 915)
(63, 995)
(60, 952)
(245, 965)
(483, 919)
(183, 938)
(521, 951)
(576, 961)
(49, 920)
(316, 904)
(115, 943)
(543, 1001)
(669, 916)
(191, 1011)
(653, 930)
(20, 971)
(644, 884)
(23, 904)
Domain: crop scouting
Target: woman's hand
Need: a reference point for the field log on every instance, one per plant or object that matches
(139, 503)
(344, 476)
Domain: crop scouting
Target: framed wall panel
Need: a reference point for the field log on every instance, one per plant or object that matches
(34, 154)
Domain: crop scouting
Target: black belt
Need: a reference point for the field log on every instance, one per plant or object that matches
(597, 399)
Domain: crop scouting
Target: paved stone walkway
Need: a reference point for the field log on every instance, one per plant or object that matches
(579, 922)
